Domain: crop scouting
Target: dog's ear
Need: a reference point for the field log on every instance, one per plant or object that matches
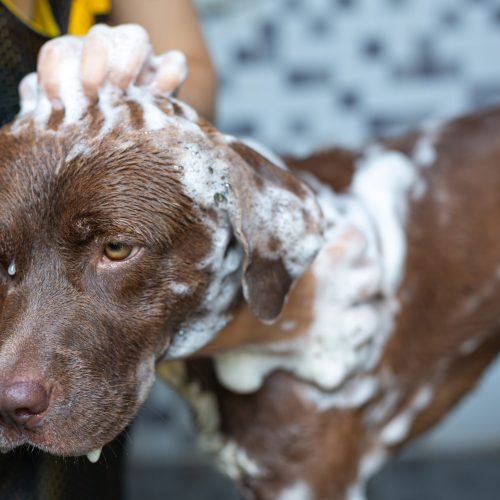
(276, 219)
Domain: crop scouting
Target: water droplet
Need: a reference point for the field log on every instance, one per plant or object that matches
(219, 198)
(11, 270)
(227, 187)
(178, 168)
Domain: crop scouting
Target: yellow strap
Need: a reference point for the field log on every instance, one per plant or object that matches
(100, 6)
(43, 21)
(44, 17)
(81, 17)
(83, 13)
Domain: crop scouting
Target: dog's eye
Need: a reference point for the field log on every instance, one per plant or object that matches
(118, 251)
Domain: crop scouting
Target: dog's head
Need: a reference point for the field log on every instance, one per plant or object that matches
(126, 235)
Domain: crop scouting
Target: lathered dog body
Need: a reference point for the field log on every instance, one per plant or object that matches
(132, 232)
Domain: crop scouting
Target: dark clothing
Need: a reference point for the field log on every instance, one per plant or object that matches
(27, 474)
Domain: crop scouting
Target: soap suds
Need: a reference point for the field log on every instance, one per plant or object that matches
(236, 463)
(208, 178)
(381, 411)
(353, 394)
(180, 288)
(357, 274)
(399, 427)
(214, 314)
(391, 434)
(262, 150)
(477, 298)
(289, 325)
(371, 462)
(424, 153)
(230, 458)
(297, 491)
(470, 345)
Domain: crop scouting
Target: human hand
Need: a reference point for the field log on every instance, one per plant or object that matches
(75, 69)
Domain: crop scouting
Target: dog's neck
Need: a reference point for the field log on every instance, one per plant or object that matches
(224, 262)
(356, 279)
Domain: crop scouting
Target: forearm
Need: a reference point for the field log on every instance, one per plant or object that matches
(200, 88)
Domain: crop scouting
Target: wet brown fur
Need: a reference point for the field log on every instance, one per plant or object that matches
(82, 329)
(85, 330)
(91, 334)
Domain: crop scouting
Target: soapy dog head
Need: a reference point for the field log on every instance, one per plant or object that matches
(129, 228)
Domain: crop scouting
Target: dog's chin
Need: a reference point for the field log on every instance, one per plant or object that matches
(9, 443)
(83, 422)
(54, 444)
(66, 437)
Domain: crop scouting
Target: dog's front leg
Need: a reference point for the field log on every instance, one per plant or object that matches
(274, 442)
(291, 437)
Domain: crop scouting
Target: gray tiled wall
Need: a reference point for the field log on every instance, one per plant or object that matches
(300, 74)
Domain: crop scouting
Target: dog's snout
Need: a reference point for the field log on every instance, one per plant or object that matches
(23, 402)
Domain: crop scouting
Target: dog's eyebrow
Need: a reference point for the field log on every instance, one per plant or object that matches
(85, 229)
(5, 237)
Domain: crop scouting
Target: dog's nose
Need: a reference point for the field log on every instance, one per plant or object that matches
(23, 402)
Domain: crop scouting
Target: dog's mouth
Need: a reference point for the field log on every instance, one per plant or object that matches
(93, 455)
(76, 422)
(43, 439)
(43, 442)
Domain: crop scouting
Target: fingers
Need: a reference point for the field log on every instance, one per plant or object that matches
(131, 50)
(28, 93)
(72, 71)
(58, 70)
(113, 55)
(95, 62)
(171, 72)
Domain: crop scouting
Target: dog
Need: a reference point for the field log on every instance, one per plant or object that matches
(348, 300)
(96, 254)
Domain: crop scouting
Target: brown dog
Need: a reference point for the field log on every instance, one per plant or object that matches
(131, 230)
(128, 228)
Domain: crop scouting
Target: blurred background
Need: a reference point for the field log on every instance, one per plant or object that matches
(299, 75)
